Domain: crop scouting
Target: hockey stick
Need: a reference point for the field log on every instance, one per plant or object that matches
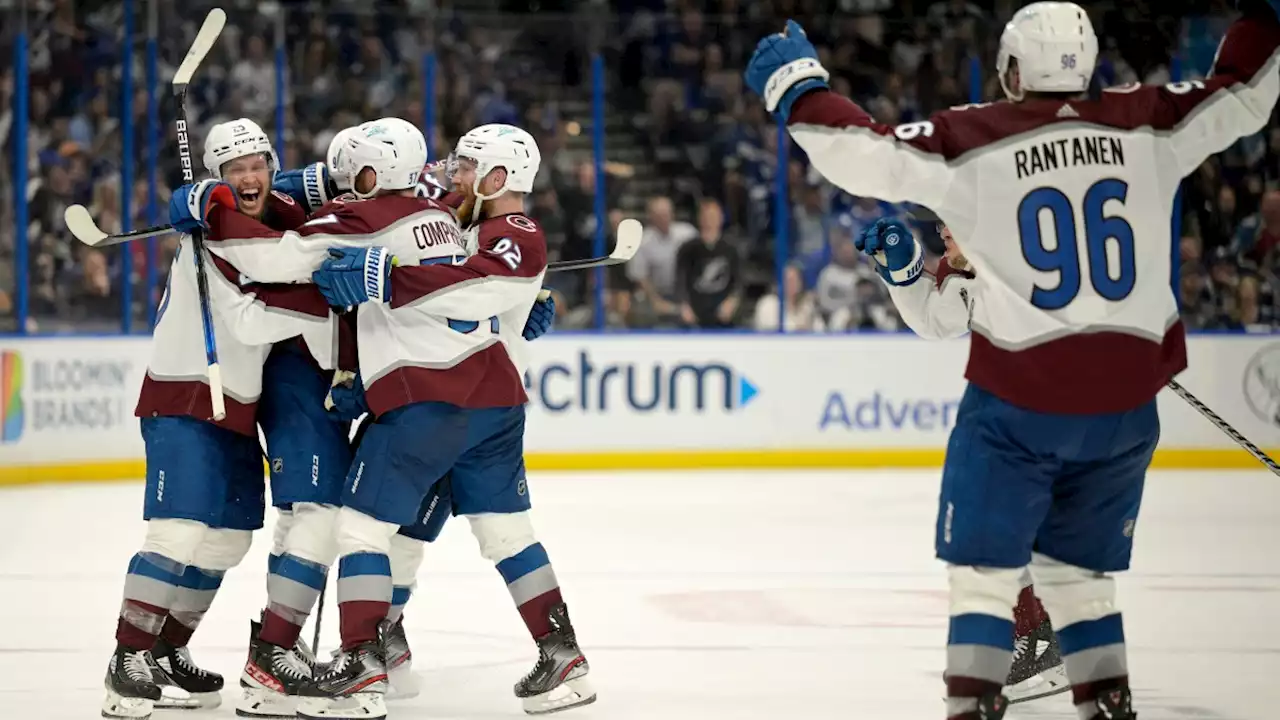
(81, 224)
(205, 38)
(1226, 428)
(629, 234)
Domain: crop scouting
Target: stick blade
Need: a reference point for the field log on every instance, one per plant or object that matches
(81, 224)
(630, 231)
(200, 47)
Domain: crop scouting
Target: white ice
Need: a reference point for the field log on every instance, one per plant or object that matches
(744, 596)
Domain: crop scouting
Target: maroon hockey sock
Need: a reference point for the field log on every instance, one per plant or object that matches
(139, 625)
(278, 630)
(175, 633)
(1027, 614)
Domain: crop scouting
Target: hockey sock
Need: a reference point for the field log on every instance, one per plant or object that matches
(533, 586)
(149, 589)
(400, 595)
(1094, 652)
(191, 600)
(293, 587)
(364, 596)
(1028, 613)
(979, 653)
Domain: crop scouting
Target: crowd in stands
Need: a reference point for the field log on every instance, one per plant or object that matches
(703, 179)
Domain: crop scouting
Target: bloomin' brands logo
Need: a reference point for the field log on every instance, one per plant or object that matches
(587, 385)
(11, 412)
(1262, 384)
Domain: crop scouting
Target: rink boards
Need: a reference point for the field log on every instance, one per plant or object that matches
(657, 401)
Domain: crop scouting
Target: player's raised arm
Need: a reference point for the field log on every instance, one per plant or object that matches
(1236, 100)
(844, 143)
(935, 307)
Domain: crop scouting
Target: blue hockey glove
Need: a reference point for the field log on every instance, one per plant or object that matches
(351, 276)
(346, 400)
(190, 204)
(311, 187)
(540, 318)
(784, 67)
(894, 249)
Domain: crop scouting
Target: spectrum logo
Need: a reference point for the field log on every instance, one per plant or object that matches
(589, 386)
(11, 411)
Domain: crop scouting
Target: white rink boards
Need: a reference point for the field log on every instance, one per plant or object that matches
(764, 596)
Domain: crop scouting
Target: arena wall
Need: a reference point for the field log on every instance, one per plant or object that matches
(645, 402)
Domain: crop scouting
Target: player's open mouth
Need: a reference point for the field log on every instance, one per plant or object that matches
(251, 195)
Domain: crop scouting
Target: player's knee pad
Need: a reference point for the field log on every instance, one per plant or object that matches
(1072, 594)
(984, 590)
(502, 535)
(176, 540)
(222, 549)
(284, 520)
(406, 557)
(312, 533)
(357, 533)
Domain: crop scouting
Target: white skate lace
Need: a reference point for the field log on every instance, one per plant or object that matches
(1019, 648)
(286, 663)
(137, 667)
(184, 659)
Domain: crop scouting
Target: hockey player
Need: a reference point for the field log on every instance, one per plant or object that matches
(940, 310)
(204, 489)
(460, 385)
(1073, 336)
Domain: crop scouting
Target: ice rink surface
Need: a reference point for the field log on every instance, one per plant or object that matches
(743, 596)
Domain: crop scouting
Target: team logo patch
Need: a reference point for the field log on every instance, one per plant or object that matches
(521, 222)
(277, 465)
(1261, 384)
(522, 486)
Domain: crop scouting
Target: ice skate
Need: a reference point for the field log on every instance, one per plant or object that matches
(559, 680)
(992, 707)
(353, 686)
(1038, 670)
(183, 684)
(272, 677)
(131, 687)
(403, 683)
(1116, 705)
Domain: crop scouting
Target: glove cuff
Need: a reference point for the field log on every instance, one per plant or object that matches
(377, 274)
(907, 274)
(315, 186)
(782, 79)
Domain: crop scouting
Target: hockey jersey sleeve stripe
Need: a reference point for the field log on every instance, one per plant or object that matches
(870, 159)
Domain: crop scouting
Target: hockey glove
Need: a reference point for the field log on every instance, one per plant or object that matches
(897, 255)
(352, 276)
(784, 67)
(311, 186)
(190, 204)
(540, 317)
(346, 401)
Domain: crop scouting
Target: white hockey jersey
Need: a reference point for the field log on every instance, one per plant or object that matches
(1063, 208)
(938, 306)
(247, 319)
(446, 333)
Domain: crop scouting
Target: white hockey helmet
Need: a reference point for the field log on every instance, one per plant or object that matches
(393, 148)
(236, 139)
(338, 171)
(501, 146)
(1054, 45)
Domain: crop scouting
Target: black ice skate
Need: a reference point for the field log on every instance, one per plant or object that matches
(131, 688)
(272, 677)
(1116, 705)
(353, 686)
(183, 684)
(403, 683)
(559, 680)
(1038, 670)
(992, 706)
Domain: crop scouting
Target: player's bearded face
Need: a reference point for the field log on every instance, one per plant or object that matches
(462, 174)
(955, 258)
(251, 178)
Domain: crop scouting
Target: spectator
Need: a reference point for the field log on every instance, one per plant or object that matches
(801, 310)
(1259, 234)
(709, 273)
(837, 290)
(653, 269)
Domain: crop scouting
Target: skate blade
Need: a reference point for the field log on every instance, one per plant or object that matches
(261, 703)
(1050, 682)
(175, 698)
(566, 696)
(362, 705)
(118, 707)
(402, 683)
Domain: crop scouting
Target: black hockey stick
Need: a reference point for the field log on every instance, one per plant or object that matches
(1225, 427)
(205, 38)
